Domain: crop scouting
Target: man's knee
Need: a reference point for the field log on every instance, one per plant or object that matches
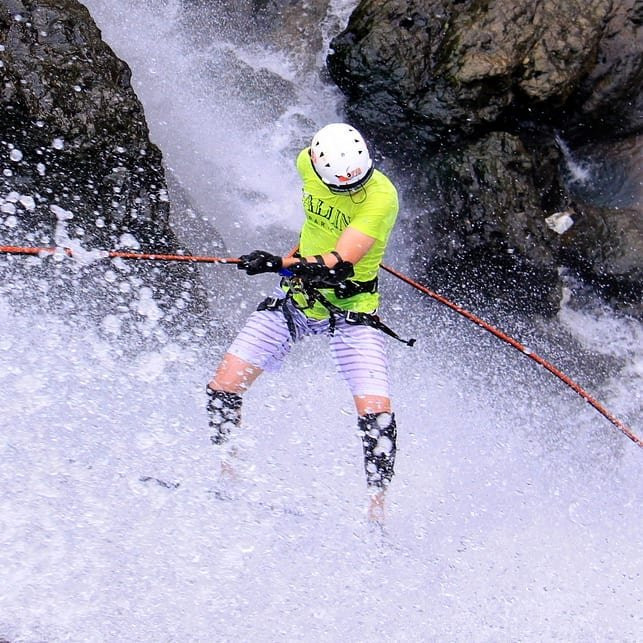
(234, 374)
(366, 404)
(379, 440)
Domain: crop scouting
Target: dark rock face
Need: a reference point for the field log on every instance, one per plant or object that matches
(489, 235)
(476, 96)
(453, 68)
(605, 246)
(77, 167)
(608, 173)
(610, 97)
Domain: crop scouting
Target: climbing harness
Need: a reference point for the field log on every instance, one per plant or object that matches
(312, 294)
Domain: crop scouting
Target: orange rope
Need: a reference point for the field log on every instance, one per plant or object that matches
(443, 300)
(117, 254)
(524, 350)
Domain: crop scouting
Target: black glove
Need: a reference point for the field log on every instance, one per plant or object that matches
(259, 261)
(321, 275)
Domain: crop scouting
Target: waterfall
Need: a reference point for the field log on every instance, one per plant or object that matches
(515, 513)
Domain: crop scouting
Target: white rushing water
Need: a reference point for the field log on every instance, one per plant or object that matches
(515, 513)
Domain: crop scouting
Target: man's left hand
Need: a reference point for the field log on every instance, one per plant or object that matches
(259, 261)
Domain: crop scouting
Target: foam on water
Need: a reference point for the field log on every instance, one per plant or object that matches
(110, 531)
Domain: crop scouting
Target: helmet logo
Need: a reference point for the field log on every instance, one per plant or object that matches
(349, 175)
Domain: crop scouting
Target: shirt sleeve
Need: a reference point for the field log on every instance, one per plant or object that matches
(377, 216)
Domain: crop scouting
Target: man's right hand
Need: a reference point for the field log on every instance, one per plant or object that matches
(259, 261)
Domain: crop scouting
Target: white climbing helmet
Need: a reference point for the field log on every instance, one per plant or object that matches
(340, 157)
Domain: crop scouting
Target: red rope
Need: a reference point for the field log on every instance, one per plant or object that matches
(443, 300)
(524, 350)
(117, 254)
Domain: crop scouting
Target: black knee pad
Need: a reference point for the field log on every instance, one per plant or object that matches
(379, 439)
(224, 411)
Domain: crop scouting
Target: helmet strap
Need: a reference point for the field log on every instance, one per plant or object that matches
(361, 192)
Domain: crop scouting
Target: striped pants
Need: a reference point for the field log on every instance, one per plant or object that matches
(358, 352)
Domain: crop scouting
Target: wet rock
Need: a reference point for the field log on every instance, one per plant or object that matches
(295, 26)
(472, 96)
(77, 168)
(488, 235)
(608, 173)
(262, 92)
(609, 102)
(604, 246)
(450, 69)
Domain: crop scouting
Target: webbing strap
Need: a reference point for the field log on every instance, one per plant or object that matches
(351, 317)
(277, 303)
(374, 321)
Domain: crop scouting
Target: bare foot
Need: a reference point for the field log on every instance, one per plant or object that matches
(228, 462)
(375, 512)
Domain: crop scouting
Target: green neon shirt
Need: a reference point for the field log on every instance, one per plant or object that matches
(372, 210)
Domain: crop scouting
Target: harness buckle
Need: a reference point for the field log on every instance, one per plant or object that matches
(352, 317)
(271, 303)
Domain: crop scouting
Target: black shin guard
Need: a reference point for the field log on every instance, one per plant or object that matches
(224, 410)
(379, 439)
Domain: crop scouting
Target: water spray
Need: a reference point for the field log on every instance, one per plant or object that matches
(144, 256)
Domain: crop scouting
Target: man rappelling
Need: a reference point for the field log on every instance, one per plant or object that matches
(330, 287)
